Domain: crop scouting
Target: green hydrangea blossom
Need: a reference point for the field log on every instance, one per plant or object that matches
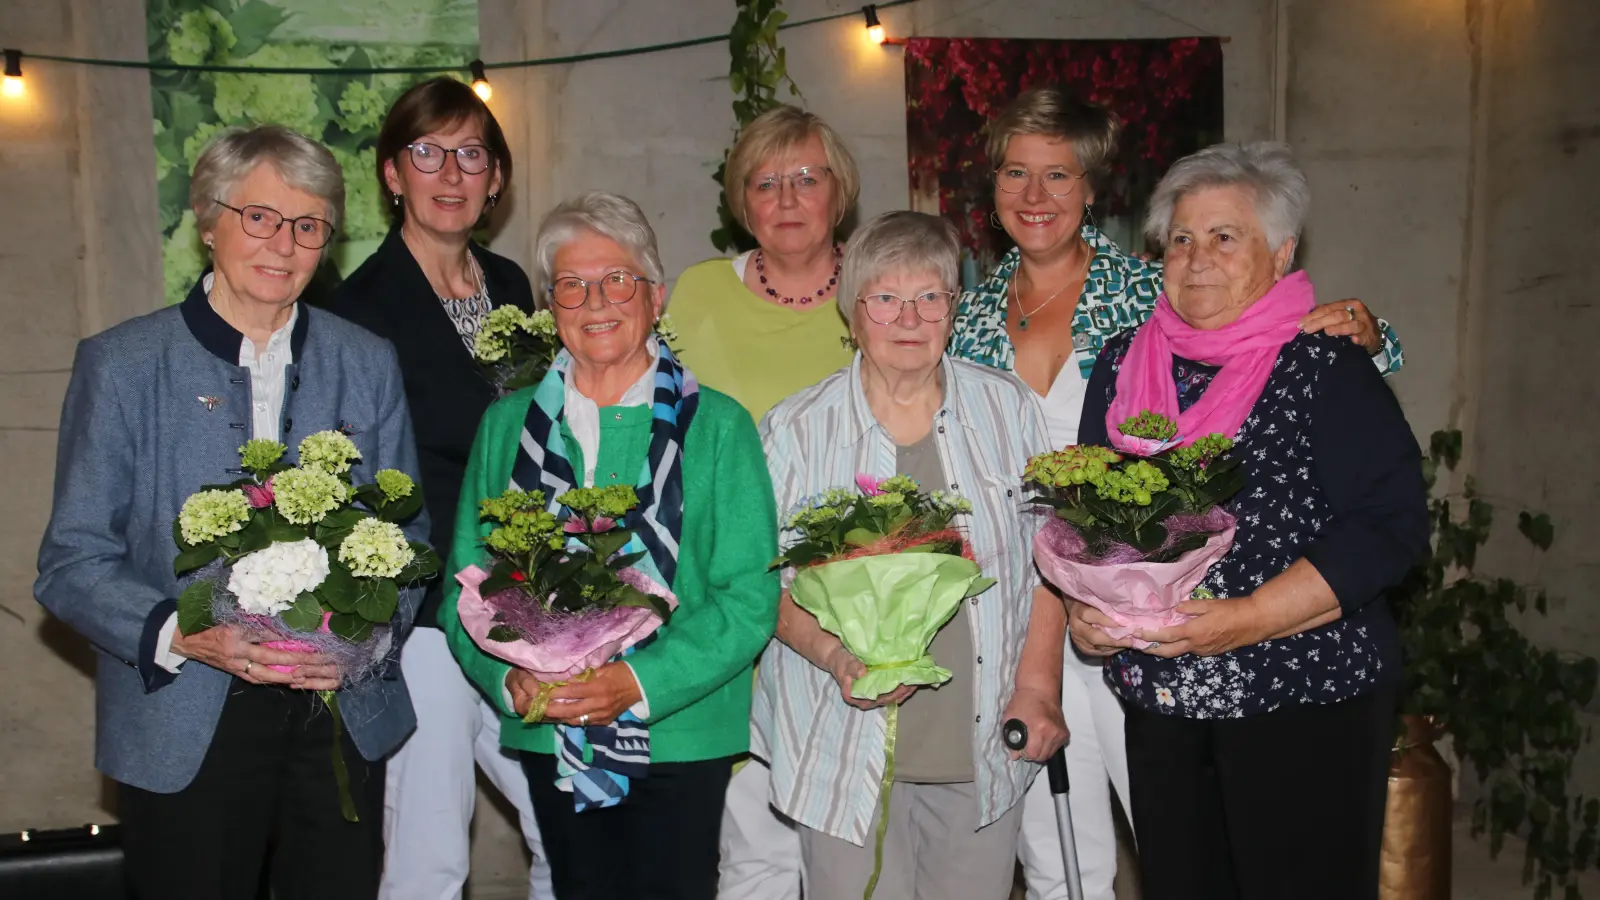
(612, 502)
(259, 454)
(306, 496)
(1150, 426)
(328, 451)
(164, 166)
(524, 522)
(182, 259)
(364, 217)
(899, 484)
(208, 515)
(200, 36)
(362, 107)
(887, 498)
(1201, 453)
(395, 484)
(1071, 466)
(495, 338)
(289, 100)
(195, 144)
(376, 549)
(1138, 482)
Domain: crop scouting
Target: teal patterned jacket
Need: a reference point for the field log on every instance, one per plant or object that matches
(1119, 293)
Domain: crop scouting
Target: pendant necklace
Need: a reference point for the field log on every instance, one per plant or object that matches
(1022, 321)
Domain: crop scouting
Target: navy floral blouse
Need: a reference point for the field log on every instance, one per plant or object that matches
(1332, 474)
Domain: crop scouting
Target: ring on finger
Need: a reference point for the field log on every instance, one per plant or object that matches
(247, 664)
(1153, 645)
(1350, 312)
(583, 721)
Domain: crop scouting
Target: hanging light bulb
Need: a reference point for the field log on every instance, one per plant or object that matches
(12, 86)
(480, 81)
(874, 27)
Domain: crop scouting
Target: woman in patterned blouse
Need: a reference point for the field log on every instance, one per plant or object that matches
(1045, 312)
(1258, 731)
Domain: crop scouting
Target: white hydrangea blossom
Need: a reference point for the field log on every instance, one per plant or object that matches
(267, 582)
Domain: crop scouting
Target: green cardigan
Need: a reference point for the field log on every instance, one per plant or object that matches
(697, 675)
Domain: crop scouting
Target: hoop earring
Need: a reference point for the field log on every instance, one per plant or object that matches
(994, 221)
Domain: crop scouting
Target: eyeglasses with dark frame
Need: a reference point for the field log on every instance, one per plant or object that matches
(886, 309)
(263, 222)
(1057, 182)
(616, 288)
(471, 159)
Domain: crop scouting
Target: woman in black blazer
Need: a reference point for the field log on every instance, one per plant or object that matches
(443, 162)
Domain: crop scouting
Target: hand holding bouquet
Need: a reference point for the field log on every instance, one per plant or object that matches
(1135, 534)
(561, 596)
(297, 554)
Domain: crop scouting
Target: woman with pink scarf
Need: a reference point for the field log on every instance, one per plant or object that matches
(1258, 730)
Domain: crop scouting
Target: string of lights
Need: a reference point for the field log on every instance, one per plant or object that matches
(12, 84)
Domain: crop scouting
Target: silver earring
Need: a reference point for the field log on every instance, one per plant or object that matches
(208, 243)
(994, 220)
(494, 200)
(1088, 216)
(396, 200)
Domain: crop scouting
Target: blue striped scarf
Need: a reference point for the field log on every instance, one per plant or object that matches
(596, 762)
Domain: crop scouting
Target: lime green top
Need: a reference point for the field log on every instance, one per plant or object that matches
(754, 351)
(696, 674)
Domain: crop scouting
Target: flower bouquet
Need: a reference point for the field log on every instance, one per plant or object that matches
(298, 554)
(517, 348)
(1135, 533)
(561, 596)
(883, 569)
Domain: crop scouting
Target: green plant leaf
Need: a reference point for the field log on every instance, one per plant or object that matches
(631, 596)
(861, 537)
(305, 615)
(1537, 529)
(425, 564)
(377, 600)
(253, 24)
(254, 535)
(194, 608)
(402, 511)
(340, 590)
(503, 634)
(352, 628)
(195, 557)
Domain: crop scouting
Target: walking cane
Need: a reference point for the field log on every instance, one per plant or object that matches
(1015, 734)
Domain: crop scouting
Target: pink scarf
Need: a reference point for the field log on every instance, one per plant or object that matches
(1246, 349)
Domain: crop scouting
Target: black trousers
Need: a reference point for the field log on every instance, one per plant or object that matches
(661, 843)
(1284, 805)
(265, 790)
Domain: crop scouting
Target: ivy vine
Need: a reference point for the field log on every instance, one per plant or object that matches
(757, 69)
(1511, 706)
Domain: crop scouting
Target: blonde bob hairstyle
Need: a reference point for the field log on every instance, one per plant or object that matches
(302, 163)
(776, 133)
(1052, 112)
(899, 241)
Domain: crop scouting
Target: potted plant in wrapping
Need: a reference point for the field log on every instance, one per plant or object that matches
(1510, 707)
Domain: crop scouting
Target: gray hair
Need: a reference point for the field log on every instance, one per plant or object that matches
(901, 241)
(302, 163)
(606, 214)
(1266, 168)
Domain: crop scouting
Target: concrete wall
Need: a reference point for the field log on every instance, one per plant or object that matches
(1450, 145)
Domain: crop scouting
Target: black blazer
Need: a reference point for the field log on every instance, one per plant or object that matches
(445, 388)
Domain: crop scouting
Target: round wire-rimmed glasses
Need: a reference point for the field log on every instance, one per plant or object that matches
(931, 306)
(1056, 182)
(263, 222)
(471, 159)
(616, 288)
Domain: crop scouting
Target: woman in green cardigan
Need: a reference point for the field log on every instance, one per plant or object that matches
(617, 408)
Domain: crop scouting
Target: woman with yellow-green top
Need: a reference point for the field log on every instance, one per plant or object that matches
(764, 324)
(759, 327)
(617, 408)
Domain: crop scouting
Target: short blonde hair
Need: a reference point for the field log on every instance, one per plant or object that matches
(1092, 129)
(900, 241)
(302, 163)
(779, 131)
(603, 213)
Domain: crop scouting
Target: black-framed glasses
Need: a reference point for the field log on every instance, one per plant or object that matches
(263, 222)
(472, 159)
(804, 180)
(1057, 182)
(616, 288)
(931, 306)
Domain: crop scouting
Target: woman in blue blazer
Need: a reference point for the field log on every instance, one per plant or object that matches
(218, 756)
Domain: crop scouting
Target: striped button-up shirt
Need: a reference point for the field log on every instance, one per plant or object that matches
(827, 757)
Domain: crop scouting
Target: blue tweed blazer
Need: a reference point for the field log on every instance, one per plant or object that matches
(157, 407)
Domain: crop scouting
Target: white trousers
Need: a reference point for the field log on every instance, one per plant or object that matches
(431, 786)
(760, 851)
(1097, 758)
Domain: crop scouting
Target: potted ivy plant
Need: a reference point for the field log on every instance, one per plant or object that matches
(1509, 705)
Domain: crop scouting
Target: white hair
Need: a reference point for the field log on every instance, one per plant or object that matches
(901, 241)
(302, 163)
(1266, 168)
(603, 213)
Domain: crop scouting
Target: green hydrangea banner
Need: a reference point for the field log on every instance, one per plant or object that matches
(343, 111)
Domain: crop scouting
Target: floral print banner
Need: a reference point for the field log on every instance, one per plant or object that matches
(343, 111)
(1168, 94)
